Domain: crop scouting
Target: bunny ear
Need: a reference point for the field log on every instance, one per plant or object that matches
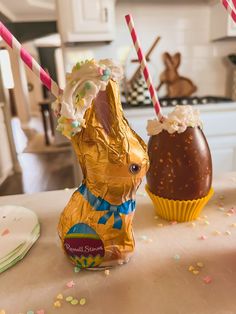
(168, 60)
(176, 59)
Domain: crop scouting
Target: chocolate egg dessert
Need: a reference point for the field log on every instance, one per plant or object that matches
(180, 175)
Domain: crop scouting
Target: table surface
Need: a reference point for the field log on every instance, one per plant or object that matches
(154, 281)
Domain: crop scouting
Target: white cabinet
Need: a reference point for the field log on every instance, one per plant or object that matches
(222, 24)
(219, 128)
(86, 20)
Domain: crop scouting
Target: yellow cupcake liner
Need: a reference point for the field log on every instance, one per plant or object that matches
(180, 211)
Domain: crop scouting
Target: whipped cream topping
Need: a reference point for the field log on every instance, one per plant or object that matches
(177, 121)
(83, 84)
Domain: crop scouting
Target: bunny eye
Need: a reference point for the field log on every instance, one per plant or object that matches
(134, 168)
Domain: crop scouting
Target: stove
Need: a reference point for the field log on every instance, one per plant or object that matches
(168, 102)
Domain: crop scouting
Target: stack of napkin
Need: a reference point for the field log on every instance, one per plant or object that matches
(19, 230)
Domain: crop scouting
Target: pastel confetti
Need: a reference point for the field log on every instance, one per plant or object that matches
(82, 301)
(192, 225)
(233, 225)
(70, 284)
(74, 302)
(227, 232)
(200, 264)
(176, 257)
(221, 209)
(69, 299)
(206, 222)
(107, 272)
(195, 272)
(216, 232)
(59, 296)
(207, 279)
(191, 268)
(202, 237)
(57, 304)
(40, 312)
(5, 232)
(30, 312)
(77, 269)
(231, 211)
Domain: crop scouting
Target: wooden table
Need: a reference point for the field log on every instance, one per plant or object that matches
(156, 280)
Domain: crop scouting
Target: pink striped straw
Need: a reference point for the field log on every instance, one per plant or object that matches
(230, 8)
(144, 67)
(13, 43)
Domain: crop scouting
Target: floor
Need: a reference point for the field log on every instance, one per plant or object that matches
(40, 172)
(43, 171)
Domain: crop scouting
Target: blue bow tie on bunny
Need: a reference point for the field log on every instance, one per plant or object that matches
(100, 204)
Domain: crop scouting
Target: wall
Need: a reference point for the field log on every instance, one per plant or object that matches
(183, 28)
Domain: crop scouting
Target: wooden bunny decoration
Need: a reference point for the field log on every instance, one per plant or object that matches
(96, 225)
(177, 86)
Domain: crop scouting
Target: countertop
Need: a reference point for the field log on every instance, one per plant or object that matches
(156, 280)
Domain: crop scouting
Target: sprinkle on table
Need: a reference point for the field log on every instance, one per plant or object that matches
(216, 232)
(77, 269)
(233, 225)
(69, 298)
(30, 312)
(203, 237)
(107, 272)
(207, 279)
(60, 296)
(195, 272)
(57, 304)
(70, 284)
(74, 302)
(40, 311)
(200, 264)
(176, 257)
(82, 301)
(227, 232)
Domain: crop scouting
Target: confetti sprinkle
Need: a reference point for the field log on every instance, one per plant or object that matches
(143, 237)
(205, 216)
(191, 268)
(69, 299)
(74, 302)
(5, 232)
(70, 284)
(77, 269)
(233, 225)
(200, 264)
(59, 296)
(228, 214)
(107, 272)
(221, 208)
(202, 237)
(40, 312)
(206, 222)
(176, 257)
(227, 232)
(216, 232)
(195, 272)
(57, 304)
(207, 279)
(231, 211)
(82, 301)
(30, 312)
(192, 225)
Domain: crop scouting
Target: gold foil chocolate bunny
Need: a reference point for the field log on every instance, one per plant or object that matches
(96, 225)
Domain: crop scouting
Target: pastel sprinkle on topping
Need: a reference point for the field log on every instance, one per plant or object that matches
(59, 296)
(74, 302)
(70, 284)
(107, 272)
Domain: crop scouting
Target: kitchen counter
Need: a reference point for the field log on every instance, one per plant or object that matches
(156, 280)
(218, 125)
